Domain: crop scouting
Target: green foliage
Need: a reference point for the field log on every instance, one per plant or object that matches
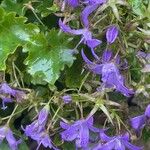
(14, 5)
(139, 7)
(47, 53)
(36, 56)
(22, 146)
(14, 32)
(74, 74)
(47, 56)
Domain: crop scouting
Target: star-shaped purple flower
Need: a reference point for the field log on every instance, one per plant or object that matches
(109, 69)
(86, 35)
(78, 131)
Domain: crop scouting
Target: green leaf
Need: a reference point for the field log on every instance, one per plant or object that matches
(14, 32)
(23, 146)
(14, 5)
(46, 7)
(48, 55)
(137, 7)
(106, 112)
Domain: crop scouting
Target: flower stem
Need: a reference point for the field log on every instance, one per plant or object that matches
(12, 114)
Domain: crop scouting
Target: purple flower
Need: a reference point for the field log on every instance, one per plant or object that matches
(86, 34)
(67, 99)
(138, 122)
(5, 132)
(111, 34)
(119, 142)
(78, 131)
(72, 3)
(36, 130)
(147, 111)
(38, 125)
(92, 2)
(109, 69)
(6, 89)
(85, 14)
(17, 94)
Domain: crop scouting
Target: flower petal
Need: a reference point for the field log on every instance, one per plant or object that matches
(112, 77)
(107, 55)
(111, 34)
(67, 29)
(64, 125)
(85, 14)
(94, 54)
(70, 134)
(83, 136)
(147, 111)
(104, 137)
(138, 122)
(119, 145)
(6, 89)
(67, 99)
(86, 59)
(11, 140)
(3, 131)
(43, 115)
(131, 146)
(73, 3)
(93, 43)
(108, 146)
(91, 2)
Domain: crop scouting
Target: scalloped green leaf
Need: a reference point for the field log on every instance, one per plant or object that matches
(13, 33)
(48, 55)
(15, 5)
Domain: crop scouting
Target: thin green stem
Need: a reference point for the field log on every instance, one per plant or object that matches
(14, 72)
(5, 118)
(83, 81)
(37, 18)
(12, 114)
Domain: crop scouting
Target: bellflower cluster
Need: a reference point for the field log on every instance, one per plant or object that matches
(119, 142)
(8, 94)
(5, 132)
(37, 131)
(109, 69)
(138, 122)
(78, 131)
